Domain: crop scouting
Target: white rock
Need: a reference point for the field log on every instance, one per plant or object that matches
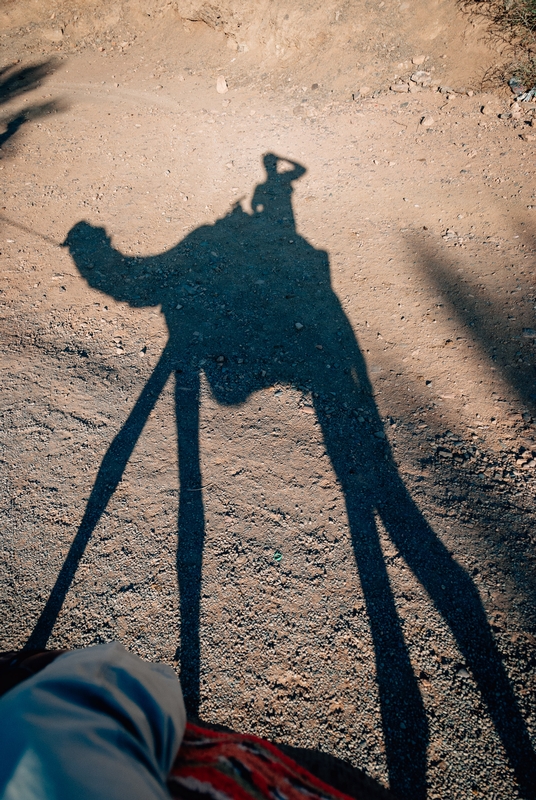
(53, 35)
(221, 85)
(298, 326)
(399, 87)
(421, 77)
(418, 60)
(427, 122)
(491, 109)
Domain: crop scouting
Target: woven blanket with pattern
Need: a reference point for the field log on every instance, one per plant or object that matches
(212, 765)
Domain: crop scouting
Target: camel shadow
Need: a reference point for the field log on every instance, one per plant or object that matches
(248, 301)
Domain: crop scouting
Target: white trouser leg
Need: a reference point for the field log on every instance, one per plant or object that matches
(97, 723)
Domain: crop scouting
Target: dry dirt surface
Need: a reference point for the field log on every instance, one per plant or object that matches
(268, 377)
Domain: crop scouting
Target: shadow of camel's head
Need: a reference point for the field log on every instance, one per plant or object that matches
(89, 246)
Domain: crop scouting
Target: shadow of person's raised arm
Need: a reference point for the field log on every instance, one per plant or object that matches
(127, 279)
(273, 197)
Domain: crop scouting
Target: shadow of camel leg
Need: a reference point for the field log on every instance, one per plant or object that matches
(191, 533)
(108, 477)
(405, 727)
(404, 723)
(456, 598)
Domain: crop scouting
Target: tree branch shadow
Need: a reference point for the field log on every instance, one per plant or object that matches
(16, 82)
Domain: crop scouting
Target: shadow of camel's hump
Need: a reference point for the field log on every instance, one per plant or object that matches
(247, 300)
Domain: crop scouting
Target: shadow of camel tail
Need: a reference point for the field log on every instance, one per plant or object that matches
(110, 473)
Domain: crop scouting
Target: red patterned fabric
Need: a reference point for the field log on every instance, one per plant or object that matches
(211, 765)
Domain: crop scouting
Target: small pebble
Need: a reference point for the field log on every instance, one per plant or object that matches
(298, 326)
(221, 85)
(399, 87)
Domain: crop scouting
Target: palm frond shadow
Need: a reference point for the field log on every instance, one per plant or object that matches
(16, 82)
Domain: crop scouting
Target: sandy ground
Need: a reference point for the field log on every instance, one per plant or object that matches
(350, 374)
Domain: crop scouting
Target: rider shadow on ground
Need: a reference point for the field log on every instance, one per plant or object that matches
(249, 302)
